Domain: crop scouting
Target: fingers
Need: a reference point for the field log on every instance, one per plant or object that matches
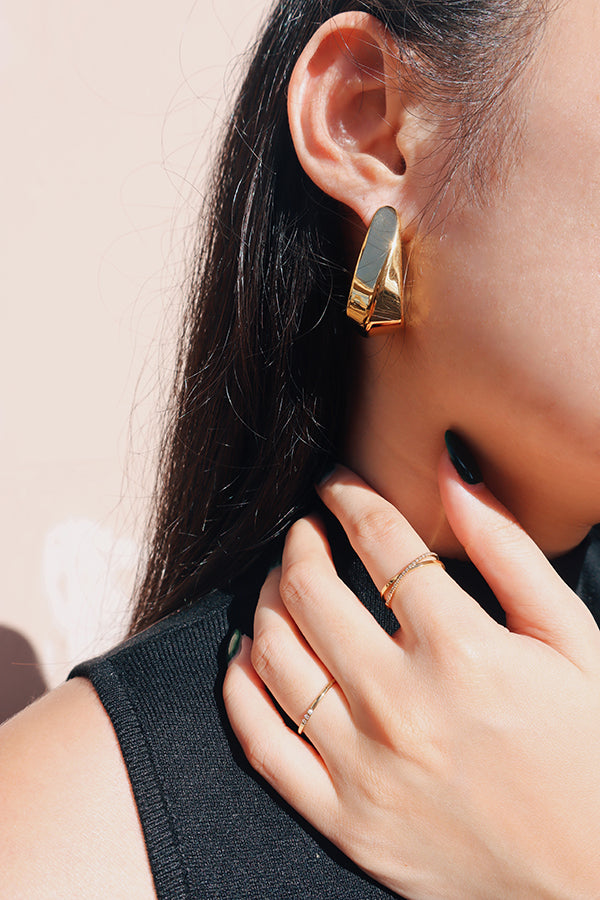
(292, 673)
(287, 762)
(426, 598)
(536, 600)
(339, 629)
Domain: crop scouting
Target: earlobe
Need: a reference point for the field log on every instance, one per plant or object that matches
(347, 115)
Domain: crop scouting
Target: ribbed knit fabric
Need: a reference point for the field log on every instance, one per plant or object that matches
(213, 829)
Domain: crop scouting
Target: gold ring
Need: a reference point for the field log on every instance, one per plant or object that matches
(425, 559)
(314, 705)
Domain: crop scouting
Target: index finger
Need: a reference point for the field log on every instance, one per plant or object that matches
(426, 597)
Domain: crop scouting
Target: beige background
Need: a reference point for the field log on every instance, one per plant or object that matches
(107, 115)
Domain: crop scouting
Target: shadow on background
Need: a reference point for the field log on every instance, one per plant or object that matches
(21, 680)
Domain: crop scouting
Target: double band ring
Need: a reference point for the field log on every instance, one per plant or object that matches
(425, 559)
(314, 705)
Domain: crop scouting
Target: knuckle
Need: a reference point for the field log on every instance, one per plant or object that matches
(298, 582)
(266, 654)
(258, 754)
(505, 534)
(466, 653)
(376, 526)
(469, 662)
(266, 757)
(503, 530)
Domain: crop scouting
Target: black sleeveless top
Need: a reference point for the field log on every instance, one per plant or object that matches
(213, 828)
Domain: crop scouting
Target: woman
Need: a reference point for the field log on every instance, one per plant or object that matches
(476, 123)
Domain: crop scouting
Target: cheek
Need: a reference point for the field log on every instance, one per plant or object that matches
(516, 323)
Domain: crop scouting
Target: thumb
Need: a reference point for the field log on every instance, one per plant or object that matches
(535, 599)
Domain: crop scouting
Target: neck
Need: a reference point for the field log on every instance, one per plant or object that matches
(395, 437)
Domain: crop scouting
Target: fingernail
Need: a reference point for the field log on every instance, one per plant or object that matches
(329, 470)
(462, 459)
(235, 642)
(275, 563)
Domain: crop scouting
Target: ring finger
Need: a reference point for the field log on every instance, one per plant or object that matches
(295, 676)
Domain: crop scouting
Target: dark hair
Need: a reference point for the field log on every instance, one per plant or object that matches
(259, 402)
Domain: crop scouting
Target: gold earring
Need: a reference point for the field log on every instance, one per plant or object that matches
(376, 297)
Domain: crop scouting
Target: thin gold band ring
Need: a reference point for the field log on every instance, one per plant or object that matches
(425, 559)
(314, 705)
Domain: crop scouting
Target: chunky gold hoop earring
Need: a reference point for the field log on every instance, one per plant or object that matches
(376, 297)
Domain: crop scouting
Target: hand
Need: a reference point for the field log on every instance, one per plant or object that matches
(458, 758)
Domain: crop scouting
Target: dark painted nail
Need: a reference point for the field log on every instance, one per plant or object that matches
(327, 473)
(234, 645)
(462, 459)
(276, 564)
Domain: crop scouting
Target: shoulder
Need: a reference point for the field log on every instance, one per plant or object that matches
(159, 666)
(85, 765)
(69, 825)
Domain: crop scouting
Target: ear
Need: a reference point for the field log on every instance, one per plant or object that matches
(356, 136)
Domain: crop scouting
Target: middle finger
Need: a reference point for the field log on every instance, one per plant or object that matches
(426, 601)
